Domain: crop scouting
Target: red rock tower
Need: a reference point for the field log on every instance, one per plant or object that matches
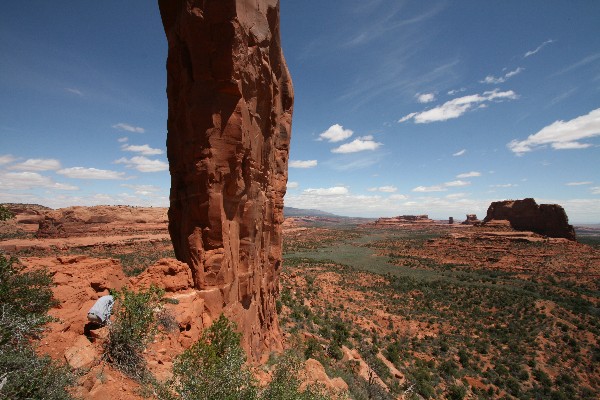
(230, 114)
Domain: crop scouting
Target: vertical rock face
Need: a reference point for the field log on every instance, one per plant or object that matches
(526, 215)
(230, 113)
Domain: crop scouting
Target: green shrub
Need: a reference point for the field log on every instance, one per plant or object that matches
(5, 213)
(286, 382)
(25, 298)
(134, 325)
(214, 367)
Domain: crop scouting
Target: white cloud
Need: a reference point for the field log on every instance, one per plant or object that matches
(459, 153)
(426, 189)
(456, 91)
(74, 91)
(454, 196)
(561, 135)
(398, 197)
(143, 190)
(90, 173)
(30, 180)
(37, 164)
(123, 139)
(332, 191)
(471, 174)
(456, 107)
(425, 97)
(501, 79)
(129, 128)
(457, 183)
(292, 185)
(142, 149)
(384, 189)
(579, 183)
(541, 46)
(360, 144)
(336, 133)
(303, 163)
(504, 185)
(6, 159)
(407, 117)
(595, 190)
(143, 164)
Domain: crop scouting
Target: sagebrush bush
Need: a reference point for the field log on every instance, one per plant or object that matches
(133, 326)
(5, 213)
(214, 367)
(25, 298)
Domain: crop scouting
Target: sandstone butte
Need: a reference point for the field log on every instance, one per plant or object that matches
(230, 102)
(526, 215)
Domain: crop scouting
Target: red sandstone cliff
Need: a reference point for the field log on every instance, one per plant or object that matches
(230, 112)
(526, 215)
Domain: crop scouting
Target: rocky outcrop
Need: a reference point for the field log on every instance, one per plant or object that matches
(230, 111)
(526, 215)
(99, 220)
(402, 220)
(471, 220)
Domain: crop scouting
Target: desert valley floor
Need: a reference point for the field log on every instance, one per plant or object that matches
(422, 310)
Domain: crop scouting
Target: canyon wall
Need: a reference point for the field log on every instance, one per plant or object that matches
(526, 215)
(230, 101)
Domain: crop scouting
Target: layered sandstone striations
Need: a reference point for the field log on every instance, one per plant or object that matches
(230, 111)
(526, 215)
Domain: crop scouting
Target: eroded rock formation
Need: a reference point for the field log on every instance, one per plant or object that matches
(471, 220)
(526, 215)
(230, 111)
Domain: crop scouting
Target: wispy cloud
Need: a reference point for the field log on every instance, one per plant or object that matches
(459, 153)
(457, 107)
(595, 190)
(90, 173)
(425, 97)
(441, 188)
(336, 133)
(360, 144)
(579, 183)
(561, 135)
(471, 174)
(292, 185)
(303, 163)
(384, 189)
(537, 49)
(143, 190)
(74, 91)
(586, 60)
(501, 79)
(37, 164)
(128, 128)
(123, 139)
(332, 191)
(143, 164)
(30, 180)
(142, 149)
(7, 159)
(504, 185)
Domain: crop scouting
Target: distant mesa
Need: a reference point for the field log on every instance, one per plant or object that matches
(403, 220)
(526, 215)
(300, 212)
(471, 220)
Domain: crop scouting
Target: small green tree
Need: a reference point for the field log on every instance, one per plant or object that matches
(134, 325)
(286, 382)
(214, 367)
(5, 213)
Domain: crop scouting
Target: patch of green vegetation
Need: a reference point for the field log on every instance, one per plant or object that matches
(5, 213)
(25, 298)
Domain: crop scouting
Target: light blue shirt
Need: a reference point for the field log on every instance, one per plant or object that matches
(103, 307)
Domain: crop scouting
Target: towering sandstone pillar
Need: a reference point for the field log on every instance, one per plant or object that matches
(230, 114)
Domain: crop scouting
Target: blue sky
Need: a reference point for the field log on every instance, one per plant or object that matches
(401, 107)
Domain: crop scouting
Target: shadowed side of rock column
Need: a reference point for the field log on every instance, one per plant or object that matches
(230, 113)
